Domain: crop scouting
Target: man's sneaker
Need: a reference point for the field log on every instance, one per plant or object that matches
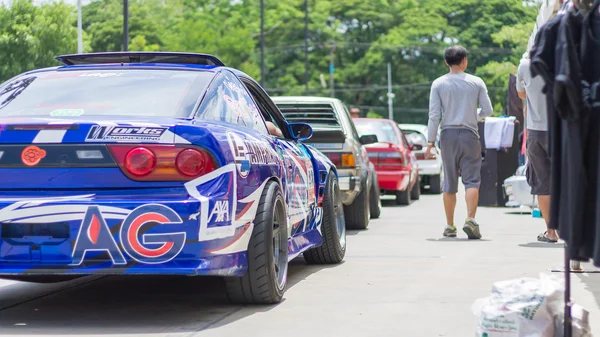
(472, 229)
(450, 232)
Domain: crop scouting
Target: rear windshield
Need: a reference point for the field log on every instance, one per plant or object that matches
(415, 137)
(131, 92)
(383, 130)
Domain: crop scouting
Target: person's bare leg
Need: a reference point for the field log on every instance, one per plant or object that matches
(449, 206)
(472, 199)
(544, 203)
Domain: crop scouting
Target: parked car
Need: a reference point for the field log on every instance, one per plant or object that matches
(395, 163)
(160, 163)
(335, 135)
(430, 170)
(518, 190)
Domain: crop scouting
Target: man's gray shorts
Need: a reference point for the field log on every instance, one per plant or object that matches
(538, 164)
(461, 156)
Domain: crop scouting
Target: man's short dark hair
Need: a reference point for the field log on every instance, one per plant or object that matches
(455, 55)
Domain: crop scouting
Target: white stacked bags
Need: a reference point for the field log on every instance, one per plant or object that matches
(527, 307)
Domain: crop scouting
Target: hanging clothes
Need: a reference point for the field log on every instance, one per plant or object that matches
(566, 54)
(590, 56)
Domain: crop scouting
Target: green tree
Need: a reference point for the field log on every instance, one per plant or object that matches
(32, 36)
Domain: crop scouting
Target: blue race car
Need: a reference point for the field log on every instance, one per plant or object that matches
(160, 163)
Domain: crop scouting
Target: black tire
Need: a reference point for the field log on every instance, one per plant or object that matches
(375, 198)
(403, 197)
(357, 213)
(415, 193)
(262, 283)
(435, 184)
(333, 248)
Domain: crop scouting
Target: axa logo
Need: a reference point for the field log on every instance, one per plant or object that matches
(141, 245)
(102, 132)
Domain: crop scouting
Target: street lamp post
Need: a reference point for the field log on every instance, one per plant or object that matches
(306, 44)
(125, 25)
(79, 29)
(262, 43)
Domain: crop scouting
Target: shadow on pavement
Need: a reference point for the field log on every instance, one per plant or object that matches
(456, 240)
(135, 305)
(518, 213)
(542, 245)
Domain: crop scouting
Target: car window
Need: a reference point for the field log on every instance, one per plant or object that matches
(415, 137)
(353, 129)
(228, 100)
(269, 110)
(404, 141)
(384, 131)
(130, 92)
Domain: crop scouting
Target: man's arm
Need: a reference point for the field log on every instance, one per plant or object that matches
(435, 114)
(484, 101)
(519, 83)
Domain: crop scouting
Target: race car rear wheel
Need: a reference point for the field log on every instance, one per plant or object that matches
(266, 277)
(375, 198)
(357, 213)
(333, 228)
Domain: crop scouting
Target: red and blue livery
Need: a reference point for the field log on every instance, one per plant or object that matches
(160, 163)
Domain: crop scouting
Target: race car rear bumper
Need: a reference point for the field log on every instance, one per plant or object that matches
(119, 234)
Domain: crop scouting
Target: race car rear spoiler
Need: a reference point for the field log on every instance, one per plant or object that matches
(336, 136)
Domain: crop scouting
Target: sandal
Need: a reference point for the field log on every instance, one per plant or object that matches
(543, 238)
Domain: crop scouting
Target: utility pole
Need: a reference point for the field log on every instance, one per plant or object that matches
(306, 44)
(79, 29)
(262, 43)
(125, 25)
(390, 95)
(331, 69)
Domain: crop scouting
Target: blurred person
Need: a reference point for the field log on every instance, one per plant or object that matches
(458, 95)
(355, 113)
(538, 163)
(274, 130)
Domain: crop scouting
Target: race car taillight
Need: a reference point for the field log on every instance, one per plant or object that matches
(162, 162)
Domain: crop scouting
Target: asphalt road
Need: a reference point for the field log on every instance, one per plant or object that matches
(399, 278)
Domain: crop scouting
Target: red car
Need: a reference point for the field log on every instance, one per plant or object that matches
(393, 157)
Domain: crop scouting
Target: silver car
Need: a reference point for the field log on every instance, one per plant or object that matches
(430, 170)
(334, 134)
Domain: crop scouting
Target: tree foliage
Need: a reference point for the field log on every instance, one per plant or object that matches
(360, 36)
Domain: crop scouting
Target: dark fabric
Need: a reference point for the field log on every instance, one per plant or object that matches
(515, 104)
(538, 166)
(574, 203)
(590, 62)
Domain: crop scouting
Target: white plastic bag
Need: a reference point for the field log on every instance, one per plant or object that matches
(524, 307)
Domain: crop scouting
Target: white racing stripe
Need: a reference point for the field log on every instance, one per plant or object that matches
(51, 136)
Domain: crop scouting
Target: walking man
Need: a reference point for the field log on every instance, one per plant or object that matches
(453, 103)
(538, 164)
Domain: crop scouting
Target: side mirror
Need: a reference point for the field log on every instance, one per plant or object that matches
(416, 147)
(368, 139)
(300, 131)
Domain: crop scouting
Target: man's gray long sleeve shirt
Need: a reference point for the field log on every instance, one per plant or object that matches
(453, 103)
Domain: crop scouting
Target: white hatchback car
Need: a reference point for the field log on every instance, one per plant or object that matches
(430, 170)
(518, 190)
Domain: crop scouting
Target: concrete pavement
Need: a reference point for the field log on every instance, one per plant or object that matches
(399, 278)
